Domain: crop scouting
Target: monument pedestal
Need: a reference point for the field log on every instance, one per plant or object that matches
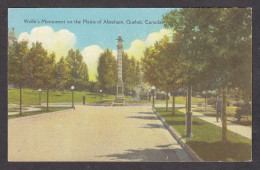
(120, 98)
(119, 101)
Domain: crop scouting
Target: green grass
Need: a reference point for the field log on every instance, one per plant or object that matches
(16, 109)
(206, 140)
(31, 97)
(43, 110)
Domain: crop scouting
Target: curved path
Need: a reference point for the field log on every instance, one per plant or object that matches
(93, 133)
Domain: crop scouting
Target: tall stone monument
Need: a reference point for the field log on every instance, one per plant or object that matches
(120, 98)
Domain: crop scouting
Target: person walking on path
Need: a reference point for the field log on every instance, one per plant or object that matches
(219, 108)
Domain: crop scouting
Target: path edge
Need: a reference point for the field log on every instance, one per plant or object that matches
(186, 147)
(37, 115)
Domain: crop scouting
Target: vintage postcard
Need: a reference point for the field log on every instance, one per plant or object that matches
(129, 84)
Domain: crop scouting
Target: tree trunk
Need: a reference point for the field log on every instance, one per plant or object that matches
(166, 101)
(47, 99)
(186, 105)
(224, 115)
(205, 103)
(188, 114)
(173, 103)
(20, 100)
(40, 98)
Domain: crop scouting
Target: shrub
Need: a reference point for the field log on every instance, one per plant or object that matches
(143, 95)
(243, 109)
(161, 96)
(212, 102)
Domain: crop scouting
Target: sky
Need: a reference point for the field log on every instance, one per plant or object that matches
(90, 39)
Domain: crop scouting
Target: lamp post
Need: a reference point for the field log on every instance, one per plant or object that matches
(153, 91)
(100, 93)
(40, 102)
(149, 95)
(72, 88)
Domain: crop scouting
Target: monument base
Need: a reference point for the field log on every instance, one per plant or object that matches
(119, 101)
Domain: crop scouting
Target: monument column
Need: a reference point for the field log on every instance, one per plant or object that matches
(120, 85)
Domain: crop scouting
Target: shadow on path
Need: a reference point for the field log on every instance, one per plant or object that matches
(165, 146)
(153, 126)
(143, 117)
(160, 155)
(146, 113)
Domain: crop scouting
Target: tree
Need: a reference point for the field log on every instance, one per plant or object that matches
(18, 66)
(137, 78)
(160, 67)
(107, 76)
(213, 45)
(131, 72)
(61, 74)
(233, 47)
(125, 71)
(193, 50)
(77, 69)
(49, 79)
(42, 69)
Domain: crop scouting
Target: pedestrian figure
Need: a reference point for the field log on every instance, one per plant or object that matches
(219, 108)
(84, 99)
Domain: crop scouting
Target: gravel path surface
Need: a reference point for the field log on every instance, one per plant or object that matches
(93, 133)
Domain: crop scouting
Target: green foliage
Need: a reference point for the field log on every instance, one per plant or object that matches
(41, 67)
(243, 109)
(61, 74)
(77, 70)
(192, 45)
(131, 72)
(107, 74)
(214, 42)
(18, 64)
(160, 65)
(93, 87)
(138, 74)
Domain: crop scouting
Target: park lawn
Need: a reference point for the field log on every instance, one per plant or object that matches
(31, 97)
(43, 110)
(206, 140)
(17, 109)
(182, 100)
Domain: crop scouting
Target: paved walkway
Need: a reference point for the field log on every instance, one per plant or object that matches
(93, 133)
(239, 129)
(27, 109)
